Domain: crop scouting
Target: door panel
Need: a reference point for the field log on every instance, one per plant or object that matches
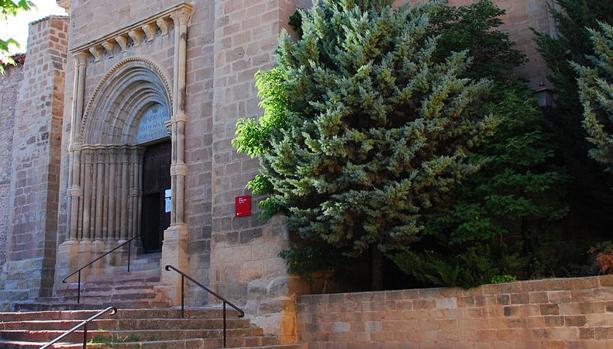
(156, 179)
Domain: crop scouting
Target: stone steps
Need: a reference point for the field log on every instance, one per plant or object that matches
(121, 335)
(134, 290)
(135, 328)
(145, 318)
(128, 324)
(175, 344)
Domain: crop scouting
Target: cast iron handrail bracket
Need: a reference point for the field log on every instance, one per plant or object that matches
(83, 324)
(78, 271)
(241, 313)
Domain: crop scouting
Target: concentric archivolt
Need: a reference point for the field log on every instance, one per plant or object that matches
(132, 83)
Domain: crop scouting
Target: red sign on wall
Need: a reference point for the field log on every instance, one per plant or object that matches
(243, 206)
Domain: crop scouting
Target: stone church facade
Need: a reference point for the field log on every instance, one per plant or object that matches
(118, 125)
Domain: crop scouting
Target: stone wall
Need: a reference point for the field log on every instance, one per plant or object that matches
(9, 90)
(28, 271)
(552, 313)
(244, 255)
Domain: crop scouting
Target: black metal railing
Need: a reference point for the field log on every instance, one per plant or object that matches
(78, 271)
(83, 324)
(226, 302)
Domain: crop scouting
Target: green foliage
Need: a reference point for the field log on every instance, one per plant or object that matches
(498, 222)
(373, 127)
(475, 28)
(305, 259)
(10, 8)
(590, 197)
(501, 279)
(596, 93)
(573, 18)
(494, 223)
(603, 247)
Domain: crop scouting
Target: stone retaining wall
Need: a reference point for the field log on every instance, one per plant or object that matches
(553, 313)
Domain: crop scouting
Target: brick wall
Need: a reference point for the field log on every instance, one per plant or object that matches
(28, 271)
(9, 89)
(553, 313)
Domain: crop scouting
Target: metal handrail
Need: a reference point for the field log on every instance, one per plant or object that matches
(83, 324)
(78, 271)
(241, 313)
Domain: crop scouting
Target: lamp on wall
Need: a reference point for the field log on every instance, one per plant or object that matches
(544, 95)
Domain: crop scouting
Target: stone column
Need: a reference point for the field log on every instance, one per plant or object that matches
(80, 60)
(174, 248)
(87, 189)
(105, 202)
(125, 191)
(99, 193)
(178, 167)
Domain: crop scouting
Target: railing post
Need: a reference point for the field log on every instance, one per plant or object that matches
(79, 289)
(182, 296)
(129, 254)
(85, 336)
(224, 324)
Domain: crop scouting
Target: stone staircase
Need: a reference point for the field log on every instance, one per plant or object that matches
(115, 287)
(134, 328)
(145, 319)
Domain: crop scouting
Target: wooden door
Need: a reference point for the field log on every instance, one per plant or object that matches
(156, 180)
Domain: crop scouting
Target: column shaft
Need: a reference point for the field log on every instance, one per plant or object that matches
(74, 183)
(87, 189)
(99, 192)
(111, 191)
(125, 188)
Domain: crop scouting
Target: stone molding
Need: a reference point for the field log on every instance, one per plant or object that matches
(115, 71)
(144, 30)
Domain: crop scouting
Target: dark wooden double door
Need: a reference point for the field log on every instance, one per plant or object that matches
(156, 180)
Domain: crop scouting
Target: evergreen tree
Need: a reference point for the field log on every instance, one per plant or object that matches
(596, 93)
(589, 191)
(364, 127)
(499, 220)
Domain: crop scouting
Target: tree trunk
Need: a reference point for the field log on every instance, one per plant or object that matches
(376, 269)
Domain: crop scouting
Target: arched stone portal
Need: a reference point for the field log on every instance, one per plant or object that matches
(130, 107)
(107, 144)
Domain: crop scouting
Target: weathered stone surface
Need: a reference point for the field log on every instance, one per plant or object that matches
(10, 85)
(34, 168)
(434, 319)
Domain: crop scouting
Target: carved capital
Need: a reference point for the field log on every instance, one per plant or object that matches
(180, 17)
(81, 58)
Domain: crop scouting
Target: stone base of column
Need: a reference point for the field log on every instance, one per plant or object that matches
(66, 261)
(174, 252)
